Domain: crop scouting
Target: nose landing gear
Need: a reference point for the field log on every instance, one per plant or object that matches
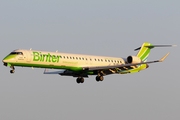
(12, 71)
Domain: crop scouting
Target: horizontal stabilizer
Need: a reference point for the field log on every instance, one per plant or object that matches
(153, 46)
(137, 48)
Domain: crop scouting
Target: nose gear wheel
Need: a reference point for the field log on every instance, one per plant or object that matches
(12, 71)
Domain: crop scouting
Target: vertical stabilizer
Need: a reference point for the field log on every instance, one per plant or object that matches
(144, 51)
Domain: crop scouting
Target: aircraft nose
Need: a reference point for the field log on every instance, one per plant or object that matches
(9, 58)
(4, 60)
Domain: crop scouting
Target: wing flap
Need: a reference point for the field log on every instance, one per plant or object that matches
(54, 72)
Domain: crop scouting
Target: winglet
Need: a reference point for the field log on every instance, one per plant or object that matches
(162, 59)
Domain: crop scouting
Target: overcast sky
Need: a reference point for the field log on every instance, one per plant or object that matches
(96, 27)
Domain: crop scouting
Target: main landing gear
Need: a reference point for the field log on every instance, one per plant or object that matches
(99, 78)
(12, 71)
(80, 80)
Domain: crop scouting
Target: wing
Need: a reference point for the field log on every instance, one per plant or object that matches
(105, 70)
(122, 67)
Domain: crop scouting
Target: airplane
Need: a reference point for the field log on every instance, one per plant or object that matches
(81, 66)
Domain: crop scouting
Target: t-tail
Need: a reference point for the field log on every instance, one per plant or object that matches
(144, 50)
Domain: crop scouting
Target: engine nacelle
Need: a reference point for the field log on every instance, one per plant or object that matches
(133, 59)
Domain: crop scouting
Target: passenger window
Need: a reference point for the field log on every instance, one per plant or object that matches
(82, 58)
(79, 58)
(105, 60)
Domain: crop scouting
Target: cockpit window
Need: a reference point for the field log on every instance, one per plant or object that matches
(16, 53)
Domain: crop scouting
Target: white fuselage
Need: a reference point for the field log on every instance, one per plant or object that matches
(33, 57)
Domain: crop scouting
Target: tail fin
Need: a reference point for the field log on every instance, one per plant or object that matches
(144, 50)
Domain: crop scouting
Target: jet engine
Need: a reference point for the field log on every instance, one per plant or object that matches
(133, 59)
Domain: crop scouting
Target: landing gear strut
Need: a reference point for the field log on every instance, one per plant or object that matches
(12, 71)
(80, 80)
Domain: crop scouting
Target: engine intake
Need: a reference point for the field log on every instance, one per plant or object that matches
(133, 59)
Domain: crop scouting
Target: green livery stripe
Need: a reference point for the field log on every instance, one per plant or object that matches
(141, 67)
(9, 64)
(47, 66)
(144, 51)
(145, 54)
(9, 57)
(141, 52)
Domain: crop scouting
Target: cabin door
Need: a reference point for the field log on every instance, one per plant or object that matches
(28, 56)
